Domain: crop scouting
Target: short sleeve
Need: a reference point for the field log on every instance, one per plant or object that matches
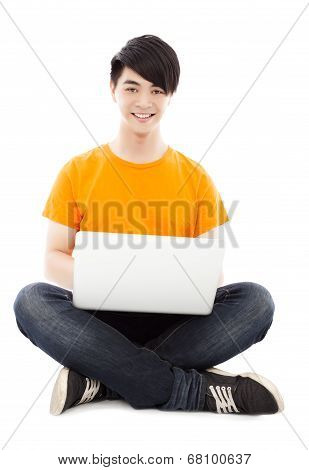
(61, 205)
(210, 209)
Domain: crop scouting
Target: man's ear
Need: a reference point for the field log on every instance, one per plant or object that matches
(112, 88)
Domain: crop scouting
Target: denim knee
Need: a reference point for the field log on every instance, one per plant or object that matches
(22, 297)
(22, 303)
(266, 306)
(20, 307)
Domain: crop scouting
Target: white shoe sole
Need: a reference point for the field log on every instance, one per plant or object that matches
(271, 387)
(59, 393)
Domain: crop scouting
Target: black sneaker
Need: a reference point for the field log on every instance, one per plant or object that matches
(73, 389)
(245, 393)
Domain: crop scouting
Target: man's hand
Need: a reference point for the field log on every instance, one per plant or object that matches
(221, 279)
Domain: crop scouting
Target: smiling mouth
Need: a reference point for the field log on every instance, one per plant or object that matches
(142, 119)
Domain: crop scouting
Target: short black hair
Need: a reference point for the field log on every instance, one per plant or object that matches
(151, 58)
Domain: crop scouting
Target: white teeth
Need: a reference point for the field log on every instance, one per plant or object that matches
(142, 115)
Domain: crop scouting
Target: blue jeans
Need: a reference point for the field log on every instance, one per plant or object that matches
(149, 360)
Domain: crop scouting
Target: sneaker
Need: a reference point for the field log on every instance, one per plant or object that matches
(245, 393)
(73, 389)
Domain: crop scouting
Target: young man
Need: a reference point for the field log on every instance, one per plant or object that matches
(137, 183)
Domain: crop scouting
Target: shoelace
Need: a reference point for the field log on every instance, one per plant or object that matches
(91, 390)
(223, 402)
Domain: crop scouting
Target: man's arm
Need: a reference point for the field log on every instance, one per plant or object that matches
(59, 264)
(221, 279)
(214, 233)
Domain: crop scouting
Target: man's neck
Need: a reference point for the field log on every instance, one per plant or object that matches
(138, 154)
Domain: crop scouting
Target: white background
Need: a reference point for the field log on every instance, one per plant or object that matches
(259, 162)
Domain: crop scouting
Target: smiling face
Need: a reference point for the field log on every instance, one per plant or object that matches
(135, 95)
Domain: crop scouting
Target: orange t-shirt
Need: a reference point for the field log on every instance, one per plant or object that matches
(101, 192)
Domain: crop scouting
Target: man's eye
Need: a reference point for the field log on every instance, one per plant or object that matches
(134, 89)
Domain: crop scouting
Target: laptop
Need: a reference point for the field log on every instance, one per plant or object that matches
(146, 273)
